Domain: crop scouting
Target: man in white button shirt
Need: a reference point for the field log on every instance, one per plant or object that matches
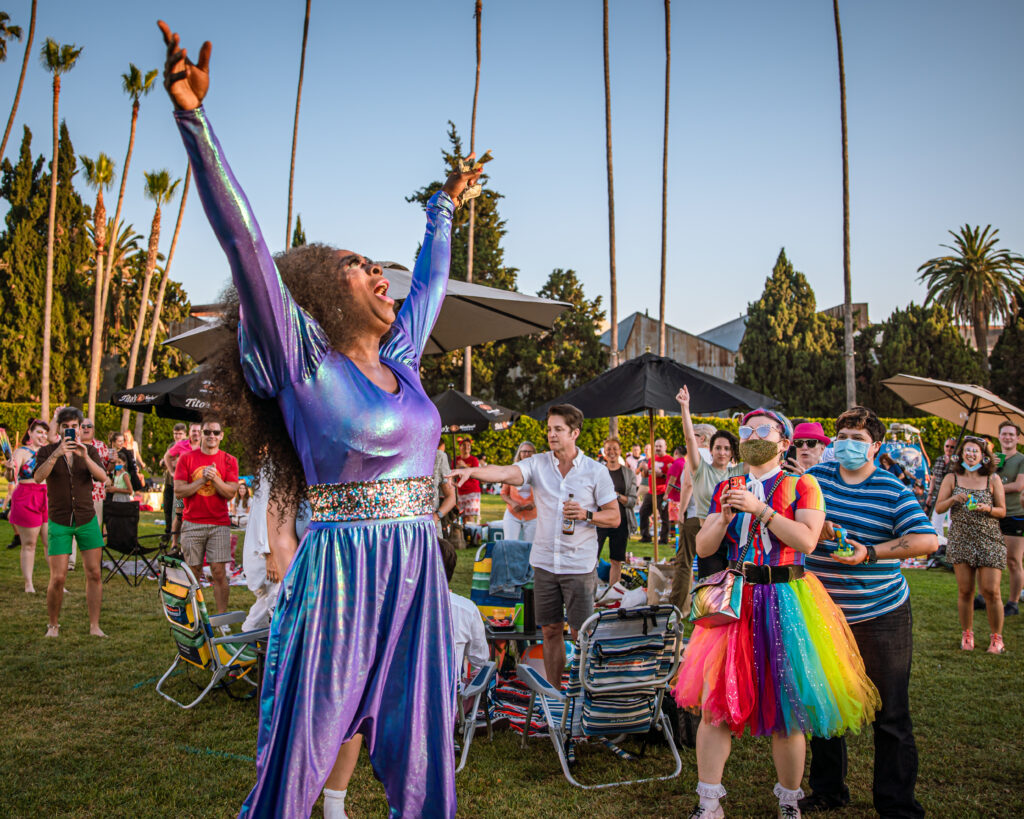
(564, 565)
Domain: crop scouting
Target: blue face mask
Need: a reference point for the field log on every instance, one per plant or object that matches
(974, 468)
(850, 453)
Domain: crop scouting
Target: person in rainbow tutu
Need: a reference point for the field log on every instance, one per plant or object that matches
(789, 666)
(361, 640)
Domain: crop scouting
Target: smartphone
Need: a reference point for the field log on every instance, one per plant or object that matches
(738, 483)
(791, 454)
(70, 434)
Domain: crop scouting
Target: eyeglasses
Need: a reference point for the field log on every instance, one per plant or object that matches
(214, 432)
(762, 430)
(804, 443)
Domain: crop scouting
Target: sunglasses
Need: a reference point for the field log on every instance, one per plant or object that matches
(804, 443)
(975, 440)
(214, 432)
(87, 426)
(762, 430)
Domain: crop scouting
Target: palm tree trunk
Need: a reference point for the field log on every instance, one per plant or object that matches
(467, 358)
(664, 181)
(613, 301)
(96, 348)
(980, 321)
(851, 382)
(50, 224)
(140, 320)
(147, 362)
(21, 79)
(120, 202)
(295, 128)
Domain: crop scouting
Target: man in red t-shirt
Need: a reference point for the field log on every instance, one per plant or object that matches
(207, 479)
(657, 478)
(468, 495)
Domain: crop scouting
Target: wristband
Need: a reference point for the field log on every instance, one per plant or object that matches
(872, 555)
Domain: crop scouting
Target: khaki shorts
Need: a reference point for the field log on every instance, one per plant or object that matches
(555, 593)
(205, 539)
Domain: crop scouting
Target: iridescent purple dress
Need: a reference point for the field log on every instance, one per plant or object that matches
(361, 638)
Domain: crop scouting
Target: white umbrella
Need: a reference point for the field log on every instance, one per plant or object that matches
(471, 314)
(969, 405)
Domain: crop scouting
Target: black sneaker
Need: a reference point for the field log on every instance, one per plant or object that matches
(1010, 609)
(979, 603)
(819, 803)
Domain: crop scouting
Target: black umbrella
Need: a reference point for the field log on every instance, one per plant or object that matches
(183, 398)
(464, 413)
(648, 383)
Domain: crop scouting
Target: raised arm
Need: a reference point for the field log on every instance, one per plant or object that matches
(692, 463)
(280, 343)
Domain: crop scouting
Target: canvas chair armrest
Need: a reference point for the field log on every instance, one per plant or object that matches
(227, 618)
(243, 637)
(536, 683)
(480, 680)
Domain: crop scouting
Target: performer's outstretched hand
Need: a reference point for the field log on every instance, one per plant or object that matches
(186, 82)
(460, 184)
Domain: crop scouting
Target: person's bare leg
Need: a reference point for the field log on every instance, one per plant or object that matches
(714, 744)
(788, 754)
(73, 560)
(55, 591)
(615, 572)
(220, 585)
(29, 538)
(989, 580)
(93, 589)
(965, 595)
(1014, 553)
(554, 653)
(345, 764)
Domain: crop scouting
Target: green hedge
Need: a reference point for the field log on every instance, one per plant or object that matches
(500, 447)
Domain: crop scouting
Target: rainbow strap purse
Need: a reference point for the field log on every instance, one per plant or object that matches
(716, 600)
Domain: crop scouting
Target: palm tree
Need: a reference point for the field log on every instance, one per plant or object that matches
(976, 282)
(851, 378)
(664, 181)
(467, 359)
(160, 189)
(125, 246)
(21, 77)
(136, 85)
(99, 175)
(7, 33)
(613, 301)
(147, 361)
(58, 60)
(295, 127)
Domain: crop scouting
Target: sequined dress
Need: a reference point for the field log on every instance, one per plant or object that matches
(361, 638)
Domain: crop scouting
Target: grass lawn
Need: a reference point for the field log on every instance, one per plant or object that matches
(87, 735)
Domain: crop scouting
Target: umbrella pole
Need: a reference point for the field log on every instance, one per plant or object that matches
(653, 490)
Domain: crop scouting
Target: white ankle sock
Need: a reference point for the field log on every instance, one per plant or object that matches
(710, 795)
(786, 796)
(334, 804)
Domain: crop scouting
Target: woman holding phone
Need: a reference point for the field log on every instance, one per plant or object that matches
(361, 642)
(789, 665)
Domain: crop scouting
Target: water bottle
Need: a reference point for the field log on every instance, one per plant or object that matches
(568, 524)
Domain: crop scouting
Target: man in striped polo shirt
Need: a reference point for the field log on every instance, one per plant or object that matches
(884, 524)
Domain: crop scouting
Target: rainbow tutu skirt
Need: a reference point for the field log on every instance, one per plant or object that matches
(790, 663)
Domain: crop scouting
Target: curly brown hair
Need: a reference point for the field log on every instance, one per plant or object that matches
(311, 274)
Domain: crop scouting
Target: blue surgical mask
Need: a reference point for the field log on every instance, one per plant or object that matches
(850, 453)
(973, 468)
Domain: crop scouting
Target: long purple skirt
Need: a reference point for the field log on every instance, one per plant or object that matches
(361, 642)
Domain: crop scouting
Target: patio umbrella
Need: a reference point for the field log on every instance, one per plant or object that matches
(966, 404)
(183, 398)
(464, 413)
(648, 383)
(470, 314)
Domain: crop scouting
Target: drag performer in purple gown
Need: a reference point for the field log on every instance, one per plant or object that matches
(361, 638)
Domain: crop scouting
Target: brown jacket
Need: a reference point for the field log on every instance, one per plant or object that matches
(69, 488)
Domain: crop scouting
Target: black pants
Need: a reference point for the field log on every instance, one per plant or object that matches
(886, 644)
(168, 505)
(646, 512)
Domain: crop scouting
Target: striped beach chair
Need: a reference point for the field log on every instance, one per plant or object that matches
(480, 593)
(618, 677)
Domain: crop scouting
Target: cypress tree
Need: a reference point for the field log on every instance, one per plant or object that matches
(1007, 362)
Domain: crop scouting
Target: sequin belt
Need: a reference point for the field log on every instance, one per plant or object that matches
(372, 500)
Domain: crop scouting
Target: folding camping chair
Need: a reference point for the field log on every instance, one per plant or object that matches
(480, 592)
(470, 693)
(229, 659)
(618, 677)
(123, 542)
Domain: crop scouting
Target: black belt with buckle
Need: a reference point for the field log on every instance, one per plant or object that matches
(766, 575)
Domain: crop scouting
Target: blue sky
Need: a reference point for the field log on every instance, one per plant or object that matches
(754, 157)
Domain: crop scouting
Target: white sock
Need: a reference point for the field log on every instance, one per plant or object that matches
(786, 796)
(710, 795)
(334, 804)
